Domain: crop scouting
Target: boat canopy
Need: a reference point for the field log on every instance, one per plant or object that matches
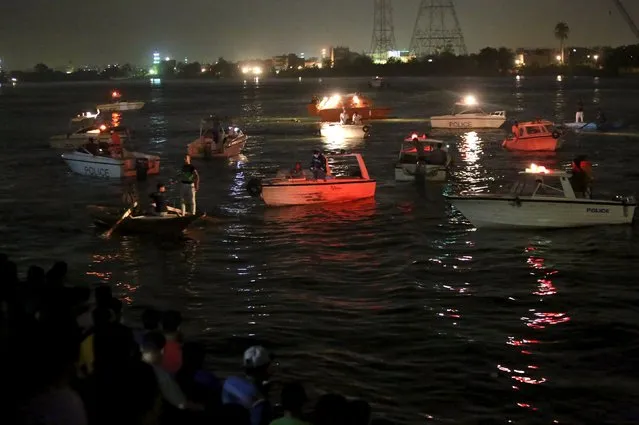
(351, 100)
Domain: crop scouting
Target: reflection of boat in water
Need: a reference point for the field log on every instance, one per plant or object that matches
(105, 165)
(413, 160)
(534, 136)
(120, 105)
(469, 116)
(330, 108)
(534, 203)
(330, 213)
(77, 138)
(344, 182)
(171, 224)
(344, 131)
(205, 146)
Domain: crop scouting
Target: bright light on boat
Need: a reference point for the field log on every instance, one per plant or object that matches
(470, 100)
(559, 78)
(414, 136)
(355, 99)
(257, 70)
(537, 169)
(115, 94)
(103, 127)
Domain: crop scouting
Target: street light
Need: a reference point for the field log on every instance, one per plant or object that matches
(595, 57)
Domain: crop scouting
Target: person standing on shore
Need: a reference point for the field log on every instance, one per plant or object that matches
(190, 185)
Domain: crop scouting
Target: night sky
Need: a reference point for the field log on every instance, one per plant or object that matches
(92, 32)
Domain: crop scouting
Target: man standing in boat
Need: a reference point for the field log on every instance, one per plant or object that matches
(579, 116)
(343, 117)
(357, 119)
(515, 130)
(190, 185)
(318, 165)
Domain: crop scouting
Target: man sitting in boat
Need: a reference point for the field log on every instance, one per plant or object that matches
(343, 117)
(357, 119)
(318, 165)
(437, 156)
(92, 147)
(160, 204)
(297, 172)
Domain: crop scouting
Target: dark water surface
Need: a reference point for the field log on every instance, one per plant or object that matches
(398, 300)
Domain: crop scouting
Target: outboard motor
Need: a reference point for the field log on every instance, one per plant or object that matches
(141, 168)
(254, 187)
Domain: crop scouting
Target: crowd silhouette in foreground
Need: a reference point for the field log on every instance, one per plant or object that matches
(69, 360)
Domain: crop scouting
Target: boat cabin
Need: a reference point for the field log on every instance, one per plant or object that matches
(339, 165)
(535, 129)
(461, 109)
(541, 182)
(419, 150)
(210, 128)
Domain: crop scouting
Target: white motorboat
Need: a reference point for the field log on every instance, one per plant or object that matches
(468, 115)
(77, 138)
(543, 198)
(208, 144)
(119, 105)
(85, 116)
(335, 130)
(344, 181)
(414, 160)
(102, 163)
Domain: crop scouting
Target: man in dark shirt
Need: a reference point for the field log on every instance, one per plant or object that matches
(318, 165)
(190, 185)
(160, 204)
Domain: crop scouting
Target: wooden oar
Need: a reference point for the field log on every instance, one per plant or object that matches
(107, 234)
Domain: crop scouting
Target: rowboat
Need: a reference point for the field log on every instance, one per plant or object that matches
(346, 180)
(171, 224)
(543, 198)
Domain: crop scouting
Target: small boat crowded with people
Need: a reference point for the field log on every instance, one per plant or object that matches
(217, 140)
(109, 161)
(533, 136)
(117, 104)
(100, 132)
(333, 177)
(330, 108)
(422, 157)
(545, 198)
(140, 222)
(467, 114)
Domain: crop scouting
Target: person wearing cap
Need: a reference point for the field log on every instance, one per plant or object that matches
(318, 165)
(251, 390)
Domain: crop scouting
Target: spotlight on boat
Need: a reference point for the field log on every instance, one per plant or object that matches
(537, 169)
(470, 100)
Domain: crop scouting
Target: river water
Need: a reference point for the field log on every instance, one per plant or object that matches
(398, 300)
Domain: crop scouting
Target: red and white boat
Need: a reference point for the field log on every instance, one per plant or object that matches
(347, 179)
(232, 140)
(330, 108)
(534, 136)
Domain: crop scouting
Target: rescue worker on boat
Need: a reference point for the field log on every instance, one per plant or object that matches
(343, 117)
(190, 185)
(515, 130)
(297, 172)
(579, 116)
(318, 165)
(160, 204)
(581, 179)
(357, 119)
(116, 145)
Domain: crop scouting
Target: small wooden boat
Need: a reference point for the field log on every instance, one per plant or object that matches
(171, 224)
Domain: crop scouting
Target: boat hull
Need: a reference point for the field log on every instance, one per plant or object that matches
(344, 131)
(533, 144)
(501, 212)
(333, 114)
(457, 122)
(204, 148)
(86, 164)
(169, 225)
(317, 192)
(592, 126)
(121, 106)
(428, 172)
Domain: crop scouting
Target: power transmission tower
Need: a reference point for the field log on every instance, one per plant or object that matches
(383, 31)
(437, 30)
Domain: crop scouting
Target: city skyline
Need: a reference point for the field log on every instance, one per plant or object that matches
(261, 30)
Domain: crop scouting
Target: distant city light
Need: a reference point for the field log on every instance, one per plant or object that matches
(167, 58)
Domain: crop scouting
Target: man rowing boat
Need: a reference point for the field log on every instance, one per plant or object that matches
(160, 204)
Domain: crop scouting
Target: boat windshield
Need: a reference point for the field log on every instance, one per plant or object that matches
(343, 166)
(470, 111)
(536, 129)
(536, 185)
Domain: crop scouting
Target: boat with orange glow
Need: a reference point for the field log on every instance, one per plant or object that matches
(414, 161)
(534, 136)
(119, 105)
(543, 198)
(330, 108)
(77, 138)
(347, 179)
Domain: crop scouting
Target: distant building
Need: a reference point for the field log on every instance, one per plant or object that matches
(535, 57)
(340, 56)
